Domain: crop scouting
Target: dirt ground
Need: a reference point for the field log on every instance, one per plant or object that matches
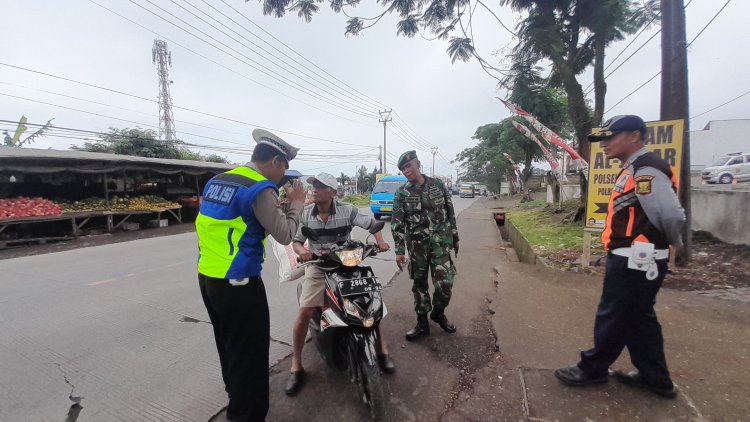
(713, 265)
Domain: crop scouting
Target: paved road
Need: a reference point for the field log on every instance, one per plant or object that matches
(121, 329)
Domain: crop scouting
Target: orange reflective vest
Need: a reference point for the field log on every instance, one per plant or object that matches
(627, 222)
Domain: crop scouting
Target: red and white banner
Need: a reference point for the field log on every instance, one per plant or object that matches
(547, 153)
(519, 176)
(549, 136)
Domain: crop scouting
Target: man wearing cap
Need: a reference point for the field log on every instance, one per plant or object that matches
(424, 222)
(240, 208)
(332, 221)
(643, 219)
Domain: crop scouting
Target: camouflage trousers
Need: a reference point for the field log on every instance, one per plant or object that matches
(427, 257)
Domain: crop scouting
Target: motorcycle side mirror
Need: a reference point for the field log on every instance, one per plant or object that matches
(378, 226)
(310, 233)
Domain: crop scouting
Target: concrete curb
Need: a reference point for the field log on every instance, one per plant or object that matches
(523, 248)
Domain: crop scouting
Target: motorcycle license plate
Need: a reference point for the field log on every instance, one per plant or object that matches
(359, 286)
(382, 209)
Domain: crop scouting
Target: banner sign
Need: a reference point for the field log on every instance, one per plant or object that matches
(519, 176)
(664, 138)
(547, 153)
(548, 135)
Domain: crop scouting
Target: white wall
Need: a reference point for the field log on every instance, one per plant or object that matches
(721, 138)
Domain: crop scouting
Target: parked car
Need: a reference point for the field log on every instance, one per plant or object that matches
(727, 168)
(381, 200)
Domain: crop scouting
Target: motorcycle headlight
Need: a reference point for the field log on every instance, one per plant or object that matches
(351, 308)
(350, 257)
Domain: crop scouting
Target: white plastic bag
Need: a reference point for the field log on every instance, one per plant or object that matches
(289, 269)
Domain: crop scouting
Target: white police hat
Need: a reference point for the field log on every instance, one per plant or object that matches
(263, 136)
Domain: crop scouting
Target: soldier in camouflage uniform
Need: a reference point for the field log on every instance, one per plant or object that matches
(423, 222)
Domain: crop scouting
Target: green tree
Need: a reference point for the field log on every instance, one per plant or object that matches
(573, 34)
(363, 179)
(142, 143)
(132, 141)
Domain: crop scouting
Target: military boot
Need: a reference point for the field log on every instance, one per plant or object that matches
(420, 330)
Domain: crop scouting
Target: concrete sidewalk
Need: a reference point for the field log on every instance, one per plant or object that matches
(543, 318)
(516, 324)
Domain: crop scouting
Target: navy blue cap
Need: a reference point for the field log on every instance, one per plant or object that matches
(617, 124)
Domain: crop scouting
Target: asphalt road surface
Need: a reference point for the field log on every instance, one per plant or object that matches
(119, 332)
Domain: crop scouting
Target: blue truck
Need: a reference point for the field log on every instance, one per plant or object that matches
(381, 200)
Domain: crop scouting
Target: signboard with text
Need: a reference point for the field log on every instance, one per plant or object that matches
(664, 138)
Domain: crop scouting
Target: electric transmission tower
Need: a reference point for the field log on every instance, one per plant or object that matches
(162, 58)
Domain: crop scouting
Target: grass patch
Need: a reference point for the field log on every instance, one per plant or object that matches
(550, 231)
(357, 200)
(543, 227)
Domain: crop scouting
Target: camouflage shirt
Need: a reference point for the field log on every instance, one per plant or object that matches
(423, 213)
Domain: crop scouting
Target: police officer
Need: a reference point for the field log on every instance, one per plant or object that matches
(423, 221)
(240, 208)
(644, 218)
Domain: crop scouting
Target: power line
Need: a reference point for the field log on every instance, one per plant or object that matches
(175, 106)
(645, 27)
(659, 72)
(247, 60)
(240, 74)
(722, 105)
(283, 68)
(70, 133)
(377, 103)
(114, 118)
(626, 59)
(223, 44)
(310, 71)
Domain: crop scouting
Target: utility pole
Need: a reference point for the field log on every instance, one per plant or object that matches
(434, 151)
(674, 99)
(162, 58)
(380, 157)
(385, 117)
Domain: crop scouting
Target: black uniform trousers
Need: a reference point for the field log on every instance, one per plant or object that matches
(241, 324)
(626, 317)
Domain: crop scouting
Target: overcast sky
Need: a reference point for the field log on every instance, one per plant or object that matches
(435, 103)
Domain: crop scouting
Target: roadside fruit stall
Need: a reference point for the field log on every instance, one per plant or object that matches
(51, 195)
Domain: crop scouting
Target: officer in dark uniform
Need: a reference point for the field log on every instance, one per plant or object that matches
(240, 208)
(644, 218)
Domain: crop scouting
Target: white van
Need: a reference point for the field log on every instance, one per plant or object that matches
(727, 168)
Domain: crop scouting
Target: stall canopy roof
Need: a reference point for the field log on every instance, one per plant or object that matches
(29, 160)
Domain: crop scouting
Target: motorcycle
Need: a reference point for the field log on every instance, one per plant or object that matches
(345, 330)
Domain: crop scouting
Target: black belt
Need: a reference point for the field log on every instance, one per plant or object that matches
(226, 280)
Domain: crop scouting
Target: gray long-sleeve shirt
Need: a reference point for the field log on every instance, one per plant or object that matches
(661, 205)
(282, 226)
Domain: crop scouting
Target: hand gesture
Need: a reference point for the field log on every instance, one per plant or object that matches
(400, 261)
(296, 193)
(305, 256)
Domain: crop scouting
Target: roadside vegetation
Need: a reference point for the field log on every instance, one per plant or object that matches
(357, 200)
(552, 233)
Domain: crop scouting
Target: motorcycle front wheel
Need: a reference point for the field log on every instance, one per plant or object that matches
(369, 377)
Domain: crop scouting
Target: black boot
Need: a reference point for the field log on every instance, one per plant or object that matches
(442, 321)
(421, 329)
